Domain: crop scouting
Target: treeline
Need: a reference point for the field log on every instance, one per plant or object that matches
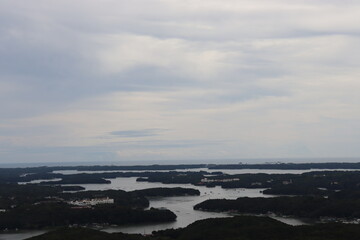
(61, 214)
(175, 177)
(321, 183)
(102, 178)
(301, 206)
(133, 199)
(25, 174)
(12, 174)
(289, 166)
(13, 195)
(38, 206)
(121, 198)
(236, 228)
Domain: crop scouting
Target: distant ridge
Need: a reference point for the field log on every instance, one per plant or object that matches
(248, 161)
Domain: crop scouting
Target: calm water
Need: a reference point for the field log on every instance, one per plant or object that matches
(181, 206)
(20, 235)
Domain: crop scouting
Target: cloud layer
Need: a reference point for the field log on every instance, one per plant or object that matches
(169, 80)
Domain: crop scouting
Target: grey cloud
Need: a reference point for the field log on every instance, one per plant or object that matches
(102, 152)
(49, 54)
(138, 133)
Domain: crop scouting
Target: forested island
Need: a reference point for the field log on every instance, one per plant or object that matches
(288, 166)
(46, 197)
(327, 194)
(38, 206)
(44, 172)
(165, 174)
(300, 206)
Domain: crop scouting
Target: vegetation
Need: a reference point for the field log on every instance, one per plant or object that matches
(260, 228)
(121, 198)
(236, 228)
(309, 207)
(8, 175)
(27, 174)
(322, 183)
(289, 166)
(36, 206)
(61, 214)
(175, 177)
(314, 195)
(102, 178)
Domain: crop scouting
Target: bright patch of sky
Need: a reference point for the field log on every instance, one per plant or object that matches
(117, 80)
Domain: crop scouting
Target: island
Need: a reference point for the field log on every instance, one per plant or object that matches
(34, 206)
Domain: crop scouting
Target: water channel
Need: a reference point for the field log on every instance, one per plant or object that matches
(181, 206)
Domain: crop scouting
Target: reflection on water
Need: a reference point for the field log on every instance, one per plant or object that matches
(181, 206)
(20, 235)
(40, 181)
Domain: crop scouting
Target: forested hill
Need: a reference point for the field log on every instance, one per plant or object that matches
(289, 166)
(236, 228)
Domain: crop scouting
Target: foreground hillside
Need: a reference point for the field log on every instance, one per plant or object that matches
(236, 228)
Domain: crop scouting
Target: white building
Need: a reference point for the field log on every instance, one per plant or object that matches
(92, 202)
(206, 180)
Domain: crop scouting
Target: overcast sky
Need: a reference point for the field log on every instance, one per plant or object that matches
(120, 80)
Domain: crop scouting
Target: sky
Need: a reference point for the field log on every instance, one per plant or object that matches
(116, 80)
